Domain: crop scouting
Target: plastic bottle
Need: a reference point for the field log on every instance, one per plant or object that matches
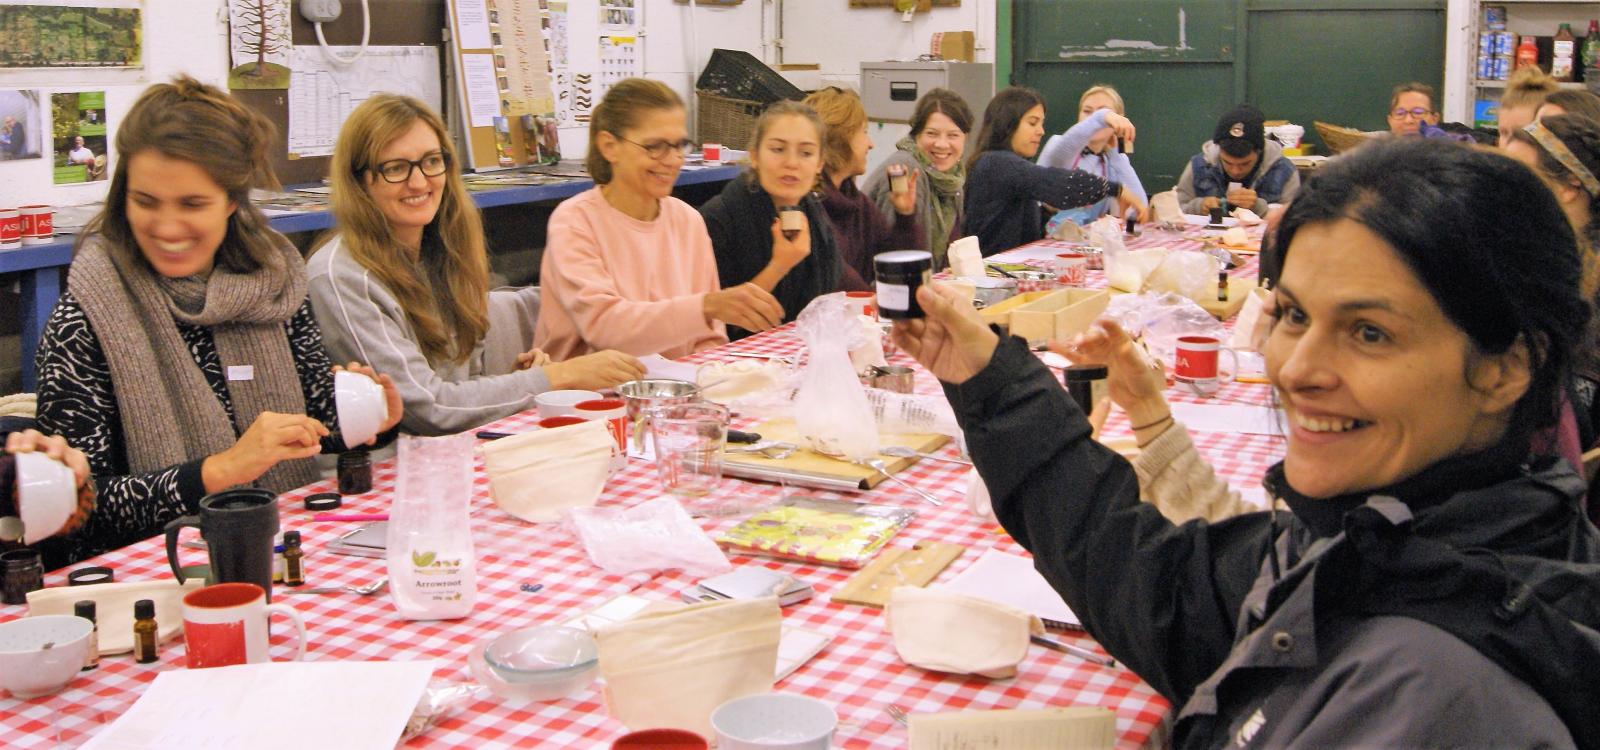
(1563, 52)
(1527, 53)
(1591, 47)
(433, 570)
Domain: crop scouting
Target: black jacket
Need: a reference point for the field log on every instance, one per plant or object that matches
(739, 220)
(1003, 194)
(1417, 616)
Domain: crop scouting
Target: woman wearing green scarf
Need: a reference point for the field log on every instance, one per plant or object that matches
(939, 129)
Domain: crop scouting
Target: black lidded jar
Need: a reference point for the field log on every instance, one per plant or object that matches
(355, 472)
(1086, 384)
(900, 273)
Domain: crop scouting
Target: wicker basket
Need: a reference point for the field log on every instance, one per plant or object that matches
(730, 122)
(1339, 138)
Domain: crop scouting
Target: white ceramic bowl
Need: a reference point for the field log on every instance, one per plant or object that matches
(562, 403)
(361, 406)
(46, 495)
(26, 669)
(774, 721)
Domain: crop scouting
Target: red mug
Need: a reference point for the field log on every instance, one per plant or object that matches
(226, 624)
(614, 412)
(711, 153)
(1196, 362)
(10, 228)
(660, 739)
(1071, 269)
(867, 301)
(38, 225)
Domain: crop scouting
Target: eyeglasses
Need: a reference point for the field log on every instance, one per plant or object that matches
(1416, 112)
(658, 150)
(399, 170)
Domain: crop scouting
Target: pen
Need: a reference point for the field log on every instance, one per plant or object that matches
(1067, 648)
(350, 517)
(492, 435)
(532, 588)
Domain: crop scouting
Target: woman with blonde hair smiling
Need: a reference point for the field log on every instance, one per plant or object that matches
(859, 230)
(627, 265)
(403, 280)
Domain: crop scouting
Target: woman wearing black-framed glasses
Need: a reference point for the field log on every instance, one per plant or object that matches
(404, 280)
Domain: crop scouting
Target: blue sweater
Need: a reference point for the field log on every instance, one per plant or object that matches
(1004, 191)
(1061, 149)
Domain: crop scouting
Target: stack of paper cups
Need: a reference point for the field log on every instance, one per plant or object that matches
(10, 228)
(38, 225)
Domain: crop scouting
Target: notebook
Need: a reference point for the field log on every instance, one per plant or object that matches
(1011, 580)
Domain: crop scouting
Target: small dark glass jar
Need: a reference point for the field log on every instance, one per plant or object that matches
(355, 472)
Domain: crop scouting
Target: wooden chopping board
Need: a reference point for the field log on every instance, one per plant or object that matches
(809, 462)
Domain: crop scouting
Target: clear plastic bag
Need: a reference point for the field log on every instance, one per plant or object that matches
(1191, 274)
(831, 411)
(909, 413)
(1161, 319)
(654, 535)
(441, 700)
(1125, 269)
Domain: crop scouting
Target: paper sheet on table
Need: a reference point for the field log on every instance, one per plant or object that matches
(1011, 580)
(657, 366)
(1066, 728)
(348, 705)
(1235, 418)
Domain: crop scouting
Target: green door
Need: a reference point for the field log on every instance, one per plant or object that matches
(1179, 64)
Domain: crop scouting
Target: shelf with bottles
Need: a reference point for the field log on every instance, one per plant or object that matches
(1510, 35)
(1486, 83)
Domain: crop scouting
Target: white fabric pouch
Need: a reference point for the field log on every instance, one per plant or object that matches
(113, 607)
(672, 669)
(537, 475)
(945, 631)
(966, 258)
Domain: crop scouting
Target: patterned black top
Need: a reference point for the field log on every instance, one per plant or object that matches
(77, 400)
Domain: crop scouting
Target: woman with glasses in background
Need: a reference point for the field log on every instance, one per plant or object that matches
(628, 266)
(1411, 107)
(403, 281)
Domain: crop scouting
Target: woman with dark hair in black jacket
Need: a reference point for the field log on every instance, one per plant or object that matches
(1432, 584)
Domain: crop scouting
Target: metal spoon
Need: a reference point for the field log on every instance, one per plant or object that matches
(366, 590)
(903, 451)
(773, 449)
(878, 466)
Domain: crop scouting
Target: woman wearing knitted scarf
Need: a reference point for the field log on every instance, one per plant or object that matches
(184, 358)
(940, 125)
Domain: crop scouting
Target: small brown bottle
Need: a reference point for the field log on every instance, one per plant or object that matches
(145, 638)
(1222, 286)
(85, 609)
(294, 572)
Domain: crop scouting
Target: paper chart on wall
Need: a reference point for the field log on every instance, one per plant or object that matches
(472, 24)
(483, 101)
(619, 59)
(322, 94)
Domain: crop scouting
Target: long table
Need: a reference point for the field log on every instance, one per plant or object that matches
(859, 671)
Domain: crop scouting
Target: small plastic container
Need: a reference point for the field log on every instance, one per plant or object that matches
(543, 663)
(900, 273)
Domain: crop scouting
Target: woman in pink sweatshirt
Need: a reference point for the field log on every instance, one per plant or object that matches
(627, 265)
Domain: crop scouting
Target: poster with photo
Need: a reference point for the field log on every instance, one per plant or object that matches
(19, 124)
(83, 34)
(78, 132)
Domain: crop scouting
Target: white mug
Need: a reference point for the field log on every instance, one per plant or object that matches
(1196, 362)
(226, 624)
(361, 405)
(47, 495)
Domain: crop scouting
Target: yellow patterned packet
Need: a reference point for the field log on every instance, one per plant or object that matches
(827, 532)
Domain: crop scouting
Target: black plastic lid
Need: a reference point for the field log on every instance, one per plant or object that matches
(144, 609)
(291, 538)
(1085, 372)
(84, 609)
(903, 260)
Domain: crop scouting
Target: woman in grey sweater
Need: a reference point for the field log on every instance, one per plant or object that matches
(403, 281)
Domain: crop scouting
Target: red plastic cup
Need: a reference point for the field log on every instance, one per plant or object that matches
(660, 739)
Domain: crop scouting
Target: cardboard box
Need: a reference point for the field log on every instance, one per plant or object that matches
(1060, 314)
(954, 45)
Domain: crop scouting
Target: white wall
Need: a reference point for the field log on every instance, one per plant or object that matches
(190, 36)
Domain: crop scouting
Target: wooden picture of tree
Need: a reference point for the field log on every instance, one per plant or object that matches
(259, 37)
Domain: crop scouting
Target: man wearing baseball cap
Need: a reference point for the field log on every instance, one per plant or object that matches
(1238, 164)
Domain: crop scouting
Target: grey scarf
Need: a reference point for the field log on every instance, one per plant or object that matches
(169, 413)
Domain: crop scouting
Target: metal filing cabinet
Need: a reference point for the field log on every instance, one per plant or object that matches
(889, 90)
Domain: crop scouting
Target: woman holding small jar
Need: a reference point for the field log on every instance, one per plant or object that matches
(858, 228)
(767, 226)
(930, 159)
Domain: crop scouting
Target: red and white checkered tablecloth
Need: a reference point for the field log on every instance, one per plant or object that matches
(858, 672)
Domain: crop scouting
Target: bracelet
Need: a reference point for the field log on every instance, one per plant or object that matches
(1138, 427)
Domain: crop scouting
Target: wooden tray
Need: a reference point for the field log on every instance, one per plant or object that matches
(805, 461)
(897, 566)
